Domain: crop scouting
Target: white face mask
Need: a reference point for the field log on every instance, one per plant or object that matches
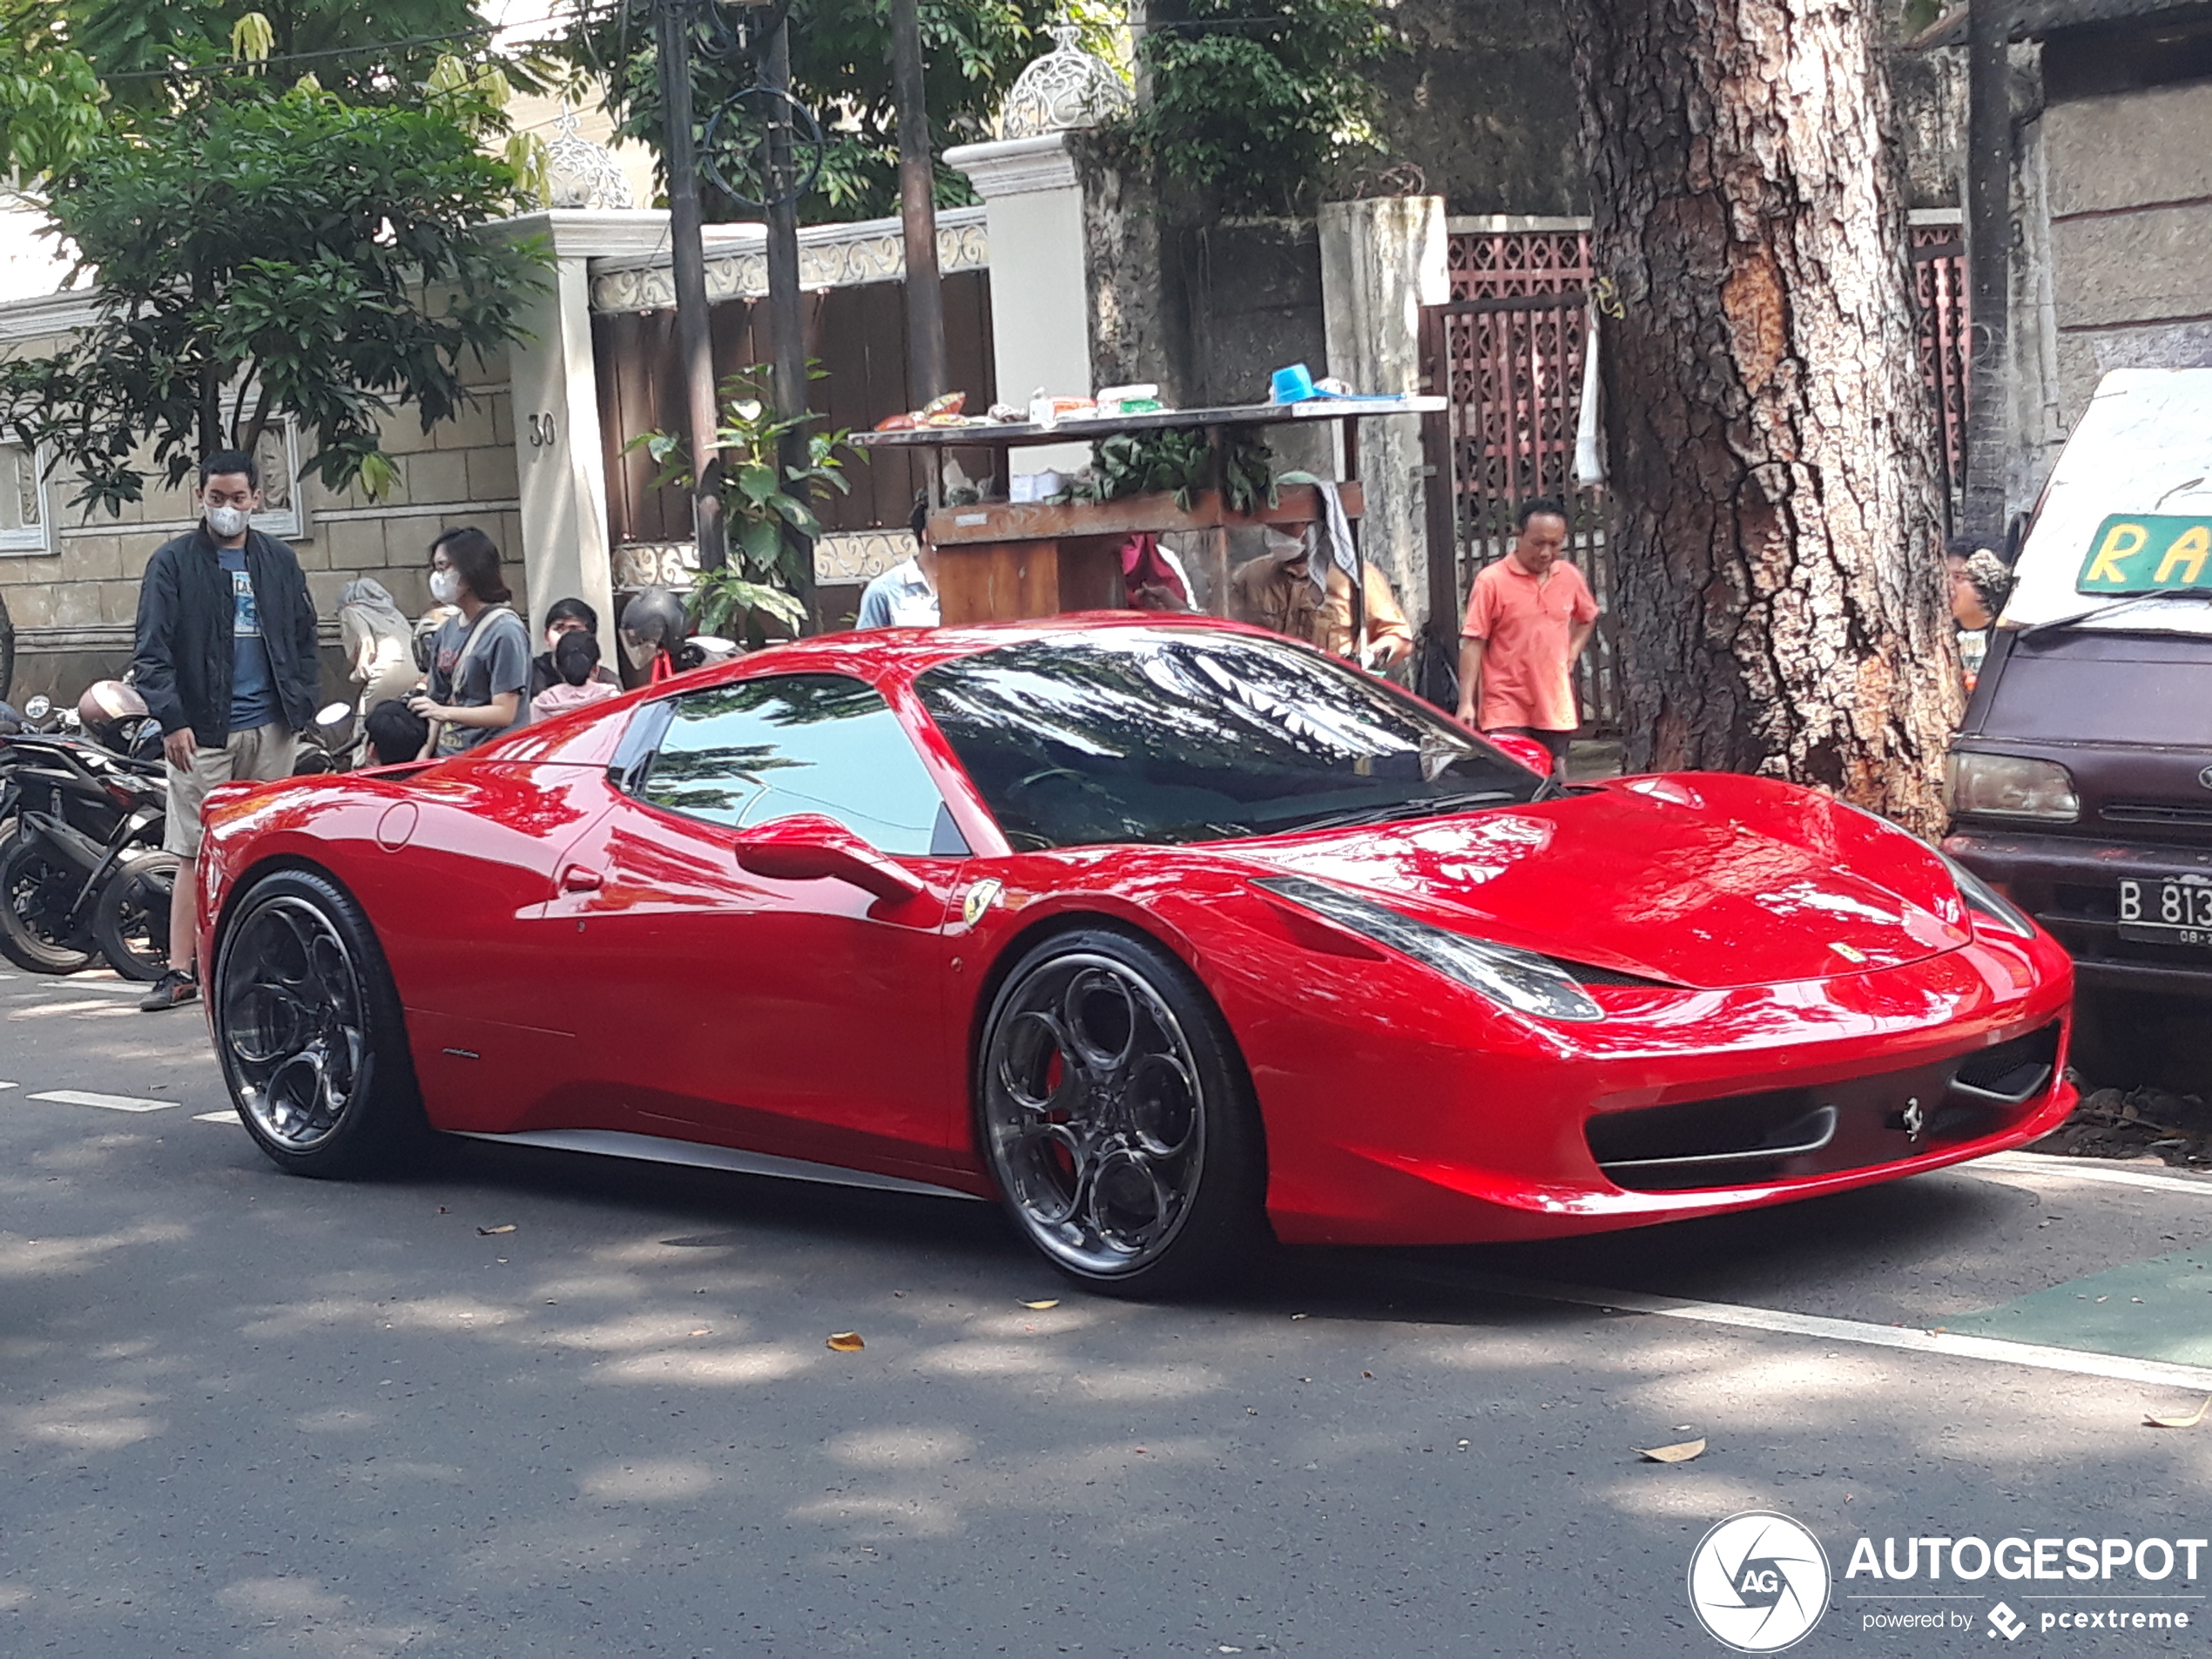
(445, 587)
(224, 523)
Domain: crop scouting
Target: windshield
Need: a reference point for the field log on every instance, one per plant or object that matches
(1138, 735)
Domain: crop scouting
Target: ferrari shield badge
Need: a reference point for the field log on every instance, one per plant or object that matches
(1850, 954)
(981, 897)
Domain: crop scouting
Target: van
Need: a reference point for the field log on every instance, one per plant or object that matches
(2081, 782)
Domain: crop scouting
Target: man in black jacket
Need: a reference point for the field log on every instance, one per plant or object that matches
(226, 662)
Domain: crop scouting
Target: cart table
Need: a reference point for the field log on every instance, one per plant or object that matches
(1007, 561)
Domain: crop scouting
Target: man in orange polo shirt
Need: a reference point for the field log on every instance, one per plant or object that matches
(1529, 618)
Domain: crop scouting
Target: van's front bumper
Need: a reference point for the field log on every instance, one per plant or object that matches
(2071, 885)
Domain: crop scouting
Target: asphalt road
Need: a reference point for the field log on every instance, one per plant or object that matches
(248, 1414)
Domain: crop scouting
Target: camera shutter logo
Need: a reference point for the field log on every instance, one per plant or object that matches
(1758, 1582)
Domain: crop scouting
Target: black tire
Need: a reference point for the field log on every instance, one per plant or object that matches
(130, 917)
(309, 1032)
(35, 886)
(1115, 1116)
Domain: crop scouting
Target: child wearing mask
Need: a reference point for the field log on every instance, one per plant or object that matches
(576, 658)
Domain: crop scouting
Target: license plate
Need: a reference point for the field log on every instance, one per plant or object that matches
(2173, 912)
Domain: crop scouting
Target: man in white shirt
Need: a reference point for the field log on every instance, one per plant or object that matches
(906, 595)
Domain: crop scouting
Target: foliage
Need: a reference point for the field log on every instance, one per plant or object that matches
(268, 254)
(761, 497)
(1143, 463)
(841, 69)
(49, 96)
(148, 50)
(1248, 472)
(1179, 460)
(1260, 102)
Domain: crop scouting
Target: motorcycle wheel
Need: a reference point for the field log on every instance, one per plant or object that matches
(36, 885)
(130, 917)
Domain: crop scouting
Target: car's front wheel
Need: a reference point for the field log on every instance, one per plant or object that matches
(309, 1028)
(1117, 1118)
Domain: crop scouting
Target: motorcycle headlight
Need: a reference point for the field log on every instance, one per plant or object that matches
(1986, 903)
(1520, 980)
(2010, 786)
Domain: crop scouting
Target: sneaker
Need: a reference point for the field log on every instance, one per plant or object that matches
(172, 990)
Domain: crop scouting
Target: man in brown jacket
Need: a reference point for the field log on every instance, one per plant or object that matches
(1276, 590)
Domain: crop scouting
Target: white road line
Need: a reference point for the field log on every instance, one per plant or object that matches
(112, 1102)
(39, 1010)
(10, 1085)
(2065, 1169)
(218, 1117)
(2080, 1363)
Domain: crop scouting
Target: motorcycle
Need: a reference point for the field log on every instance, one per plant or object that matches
(328, 744)
(83, 876)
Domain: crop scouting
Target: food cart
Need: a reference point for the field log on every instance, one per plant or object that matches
(1003, 561)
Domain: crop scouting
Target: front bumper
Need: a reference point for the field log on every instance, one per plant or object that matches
(1486, 1139)
(2071, 885)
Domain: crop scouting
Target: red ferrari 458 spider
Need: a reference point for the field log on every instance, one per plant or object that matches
(1168, 935)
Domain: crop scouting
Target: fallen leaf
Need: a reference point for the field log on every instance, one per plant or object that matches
(1050, 1302)
(847, 1342)
(1680, 1453)
(2190, 1421)
(493, 1232)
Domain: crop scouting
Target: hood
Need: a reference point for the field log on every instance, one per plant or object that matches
(1657, 885)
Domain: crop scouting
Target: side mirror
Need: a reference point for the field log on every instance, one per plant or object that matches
(1531, 753)
(39, 707)
(333, 714)
(811, 847)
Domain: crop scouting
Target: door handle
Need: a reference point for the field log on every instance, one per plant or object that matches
(575, 879)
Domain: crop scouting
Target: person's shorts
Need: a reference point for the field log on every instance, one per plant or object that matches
(255, 755)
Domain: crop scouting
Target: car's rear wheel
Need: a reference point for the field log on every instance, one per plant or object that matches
(309, 1028)
(1117, 1118)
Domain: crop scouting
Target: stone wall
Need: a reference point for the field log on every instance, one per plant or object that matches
(74, 607)
(2129, 184)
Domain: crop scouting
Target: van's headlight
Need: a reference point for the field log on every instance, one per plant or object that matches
(1520, 980)
(2009, 787)
(1986, 903)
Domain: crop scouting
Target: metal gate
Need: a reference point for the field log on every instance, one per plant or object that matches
(1507, 354)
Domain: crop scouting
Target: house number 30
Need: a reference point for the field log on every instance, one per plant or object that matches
(543, 433)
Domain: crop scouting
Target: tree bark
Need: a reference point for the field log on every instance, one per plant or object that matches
(1780, 599)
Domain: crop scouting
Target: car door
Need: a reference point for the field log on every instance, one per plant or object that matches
(804, 1018)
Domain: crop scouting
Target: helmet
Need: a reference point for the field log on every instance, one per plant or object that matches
(652, 622)
(105, 705)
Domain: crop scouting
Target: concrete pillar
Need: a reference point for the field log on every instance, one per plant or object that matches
(1039, 291)
(1381, 261)
(557, 452)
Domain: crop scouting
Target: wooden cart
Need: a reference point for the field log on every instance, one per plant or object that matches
(1006, 560)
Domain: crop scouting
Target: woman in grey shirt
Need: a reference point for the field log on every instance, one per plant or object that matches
(480, 662)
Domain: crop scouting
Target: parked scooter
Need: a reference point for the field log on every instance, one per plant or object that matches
(81, 876)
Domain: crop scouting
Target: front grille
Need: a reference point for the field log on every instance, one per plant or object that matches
(2156, 812)
(1787, 1134)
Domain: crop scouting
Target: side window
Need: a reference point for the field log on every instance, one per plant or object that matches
(773, 747)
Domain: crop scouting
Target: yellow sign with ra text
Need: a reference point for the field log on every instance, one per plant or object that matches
(2149, 553)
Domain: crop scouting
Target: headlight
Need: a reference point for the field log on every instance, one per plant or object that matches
(1519, 980)
(2010, 786)
(1985, 901)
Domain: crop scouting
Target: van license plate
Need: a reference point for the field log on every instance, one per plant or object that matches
(2166, 913)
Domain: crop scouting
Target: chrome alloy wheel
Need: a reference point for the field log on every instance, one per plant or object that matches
(1094, 1113)
(291, 1023)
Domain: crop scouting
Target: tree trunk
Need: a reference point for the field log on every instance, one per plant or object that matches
(1780, 599)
